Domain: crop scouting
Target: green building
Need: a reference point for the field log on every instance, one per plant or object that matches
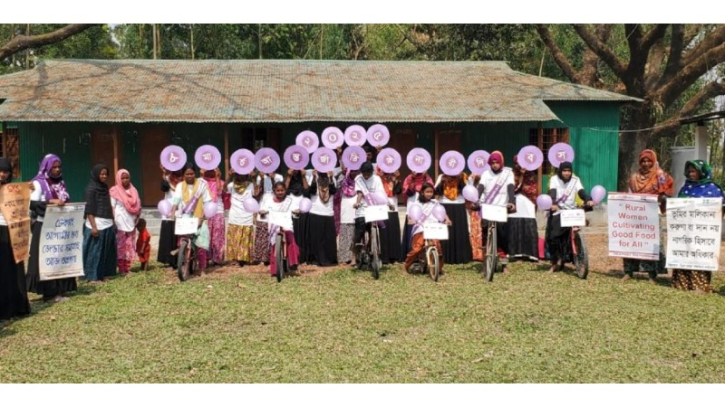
(124, 112)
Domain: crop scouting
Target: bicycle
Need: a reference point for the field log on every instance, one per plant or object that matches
(280, 255)
(369, 253)
(575, 251)
(491, 263)
(186, 261)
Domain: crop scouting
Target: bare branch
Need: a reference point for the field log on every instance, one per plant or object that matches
(556, 52)
(677, 44)
(603, 50)
(23, 42)
(590, 66)
(653, 35)
(709, 91)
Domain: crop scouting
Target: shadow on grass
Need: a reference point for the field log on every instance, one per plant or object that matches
(5, 330)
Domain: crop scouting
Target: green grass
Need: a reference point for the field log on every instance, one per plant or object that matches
(343, 326)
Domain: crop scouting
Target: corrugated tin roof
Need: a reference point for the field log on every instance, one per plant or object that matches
(283, 91)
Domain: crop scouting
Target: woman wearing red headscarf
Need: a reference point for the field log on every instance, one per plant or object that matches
(650, 179)
(411, 188)
(126, 212)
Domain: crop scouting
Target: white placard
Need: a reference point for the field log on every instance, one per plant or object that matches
(281, 219)
(494, 213)
(186, 226)
(572, 217)
(375, 213)
(60, 253)
(693, 233)
(435, 231)
(634, 226)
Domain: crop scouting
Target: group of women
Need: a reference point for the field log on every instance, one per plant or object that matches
(330, 232)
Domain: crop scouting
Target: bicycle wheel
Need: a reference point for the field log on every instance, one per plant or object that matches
(375, 253)
(581, 258)
(434, 267)
(183, 260)
(491, 254)
(279, 258)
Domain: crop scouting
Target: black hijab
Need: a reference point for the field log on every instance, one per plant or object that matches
(98, 198)
(566, 165)
(6, 166)
(296, 187)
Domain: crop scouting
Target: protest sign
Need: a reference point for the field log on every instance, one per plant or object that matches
(60, 253)
(634, 226)
(693, 233)
(15, 205)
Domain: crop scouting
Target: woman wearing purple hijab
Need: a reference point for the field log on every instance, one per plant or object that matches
(49, 190)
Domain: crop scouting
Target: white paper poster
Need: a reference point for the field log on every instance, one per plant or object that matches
(61, 242)
(634, 226)
(693, 233)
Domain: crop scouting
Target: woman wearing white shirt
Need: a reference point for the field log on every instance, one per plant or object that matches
(563, 189)
(498, 189)
(240, 228)
(263, 190)
(189, 198)
(321, 241)
(126, 210)
(99, 237)
(167, 238)
(366, 184)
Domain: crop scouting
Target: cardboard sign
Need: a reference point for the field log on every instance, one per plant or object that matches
(435, 231)
(186, 226)
(60, 253)
(634, 226)
(375, 213)
(281, 219)
(693, 233)
(15, 206)
(494, 213)
(572, 217)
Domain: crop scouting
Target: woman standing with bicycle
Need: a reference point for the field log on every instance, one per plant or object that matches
(498, 189)
(190, 196)
(366, 184)
(564, 187)
(650, 179)
(280, 202)
(699, 184)
(417, 244)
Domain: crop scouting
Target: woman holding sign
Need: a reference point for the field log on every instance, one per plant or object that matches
(13, 294)
(564, 187)
(48, 189)
(523, 231)
(650, 179)
(699, 184)
(126, 211)
(99, 236)
(240, 230)
(320, 239)
(417, 245)
(280, 203)
(497, 184)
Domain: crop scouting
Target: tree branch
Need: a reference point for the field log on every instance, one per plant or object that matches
(556, 52)
(601, 49)
(711, 40)
(674, 59)
(652, 36)
(689, 73)
(709, 91)
(589, 74)
(23, 42)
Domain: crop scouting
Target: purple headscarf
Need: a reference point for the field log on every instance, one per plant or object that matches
(53, 188)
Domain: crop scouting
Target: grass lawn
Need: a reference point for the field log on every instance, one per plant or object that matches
(342, 326)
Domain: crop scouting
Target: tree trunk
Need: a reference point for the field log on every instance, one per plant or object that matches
(635, 116)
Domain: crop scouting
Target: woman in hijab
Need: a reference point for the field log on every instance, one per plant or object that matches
(297, 184)
(497, 184)
(564, 187)
(699, 184)
(167, 238)
(523, 231)
(13, 294)
(411, 188)
(126, 206)
(321, 240)
(48, 189)
(650, 179)
(217, 233)
(448, 189)
(391, 250)
(99, 238)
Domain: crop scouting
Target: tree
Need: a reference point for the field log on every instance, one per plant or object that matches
(662, 64)
(22, 42)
